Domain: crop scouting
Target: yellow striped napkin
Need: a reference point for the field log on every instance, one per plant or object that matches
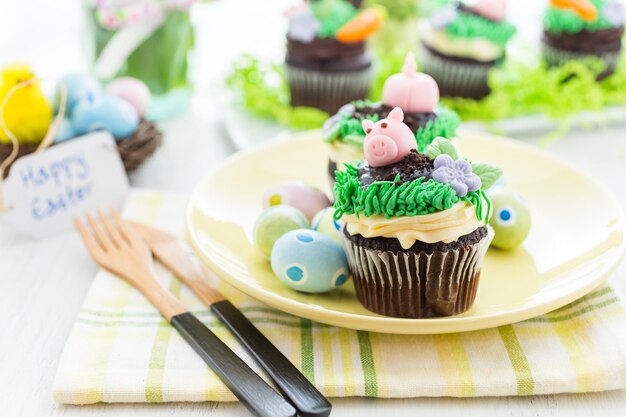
(121, 350)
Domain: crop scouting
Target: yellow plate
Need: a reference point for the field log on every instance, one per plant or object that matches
(577, 237)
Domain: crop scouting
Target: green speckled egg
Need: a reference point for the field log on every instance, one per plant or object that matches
(325, 223)
(275, 222)
(510, 220)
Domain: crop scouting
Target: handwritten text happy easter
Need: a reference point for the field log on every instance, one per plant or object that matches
(64, 184)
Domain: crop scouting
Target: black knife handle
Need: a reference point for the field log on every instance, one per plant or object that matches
(248, 387)
(303, 395)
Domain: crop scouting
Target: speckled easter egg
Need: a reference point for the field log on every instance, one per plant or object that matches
(275, 222)
(79, 86)
(309, 261)
(65, 131)
(105, 112)
(297, 194)
(132, 90)
(511, 218)
(325, 223)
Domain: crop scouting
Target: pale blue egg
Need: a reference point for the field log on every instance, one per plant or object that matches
(324, 222)
(275, 222)
(309, 261)
(65, 131)
(79, 86)
(105, 112)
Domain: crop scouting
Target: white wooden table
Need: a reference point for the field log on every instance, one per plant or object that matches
(42, 283)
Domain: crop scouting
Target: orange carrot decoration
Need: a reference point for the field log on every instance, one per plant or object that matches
(583, 8)
(362, 25)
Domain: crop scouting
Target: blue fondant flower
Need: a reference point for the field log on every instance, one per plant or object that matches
(457, 174)
(303, 26)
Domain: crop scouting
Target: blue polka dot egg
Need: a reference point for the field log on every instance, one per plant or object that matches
(309, 261)
(324, 222)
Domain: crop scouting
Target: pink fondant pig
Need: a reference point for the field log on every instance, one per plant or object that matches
(410, 90)
(388, 140)
(491, 9)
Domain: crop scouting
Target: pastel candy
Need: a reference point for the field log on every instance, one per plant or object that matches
(275, 222)
(79, 86)
(324, 222)
(410, 90)
(491, 9)
(309, 261)
(65, 131)
(511, 219)
(132, 90)
(105, 112)
(297, 194)
(388, 140)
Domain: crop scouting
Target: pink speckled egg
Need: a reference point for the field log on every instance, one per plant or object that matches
(131, 90)
(296, 194)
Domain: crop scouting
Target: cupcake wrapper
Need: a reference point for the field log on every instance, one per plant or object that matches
(555, 57)
(327, 91)
(417, 285)
(456, 79)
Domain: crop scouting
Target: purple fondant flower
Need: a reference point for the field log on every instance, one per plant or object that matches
(303, 26)
(457, 174)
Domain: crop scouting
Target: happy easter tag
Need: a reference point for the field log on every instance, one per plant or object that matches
(45, 190)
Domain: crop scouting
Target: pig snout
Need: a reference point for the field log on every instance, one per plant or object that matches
(380, 150)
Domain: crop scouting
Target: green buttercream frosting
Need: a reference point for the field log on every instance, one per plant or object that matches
(395, 199)
(467, 25)
(561, 20)
(348, 129)
(332, 15)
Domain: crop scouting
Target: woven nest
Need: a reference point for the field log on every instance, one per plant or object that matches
(134, 149)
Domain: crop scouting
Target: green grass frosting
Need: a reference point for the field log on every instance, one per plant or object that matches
(395, 198)
(560, 20)
(349, 129)
(467, 25)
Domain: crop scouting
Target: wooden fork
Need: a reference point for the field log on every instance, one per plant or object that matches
(118, 249)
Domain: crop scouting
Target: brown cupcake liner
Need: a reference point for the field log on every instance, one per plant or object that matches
(327, 91)
(457, 78)
(555, 57)
(417, 284)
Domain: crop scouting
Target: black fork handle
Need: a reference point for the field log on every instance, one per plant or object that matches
(248, 387)
(303, 395)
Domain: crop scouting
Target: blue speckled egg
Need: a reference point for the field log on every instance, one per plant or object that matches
(309, 261)
(275, 222)
(325, 223)
(79, 86)
(105, 112)
(65, 131)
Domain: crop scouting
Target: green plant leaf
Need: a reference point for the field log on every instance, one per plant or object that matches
(487, 173)
(441, 146)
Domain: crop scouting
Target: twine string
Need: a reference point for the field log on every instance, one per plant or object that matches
(45, 143)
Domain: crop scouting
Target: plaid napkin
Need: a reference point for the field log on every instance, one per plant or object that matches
(121, 350)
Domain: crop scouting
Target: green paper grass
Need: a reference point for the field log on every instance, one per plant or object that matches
(263, 91)
(519, 89)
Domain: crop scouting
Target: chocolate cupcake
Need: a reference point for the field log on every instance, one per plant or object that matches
(582, 29)
(327, 62)
(462, 42)
(415, 93)
(416, 226)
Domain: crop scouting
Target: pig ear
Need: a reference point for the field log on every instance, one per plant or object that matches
(367, 124)
(396, 115)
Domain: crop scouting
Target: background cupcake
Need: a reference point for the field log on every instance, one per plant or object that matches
(416, 223)
(327, 62)
(462, 42)
(415, 93)
(580, 29)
